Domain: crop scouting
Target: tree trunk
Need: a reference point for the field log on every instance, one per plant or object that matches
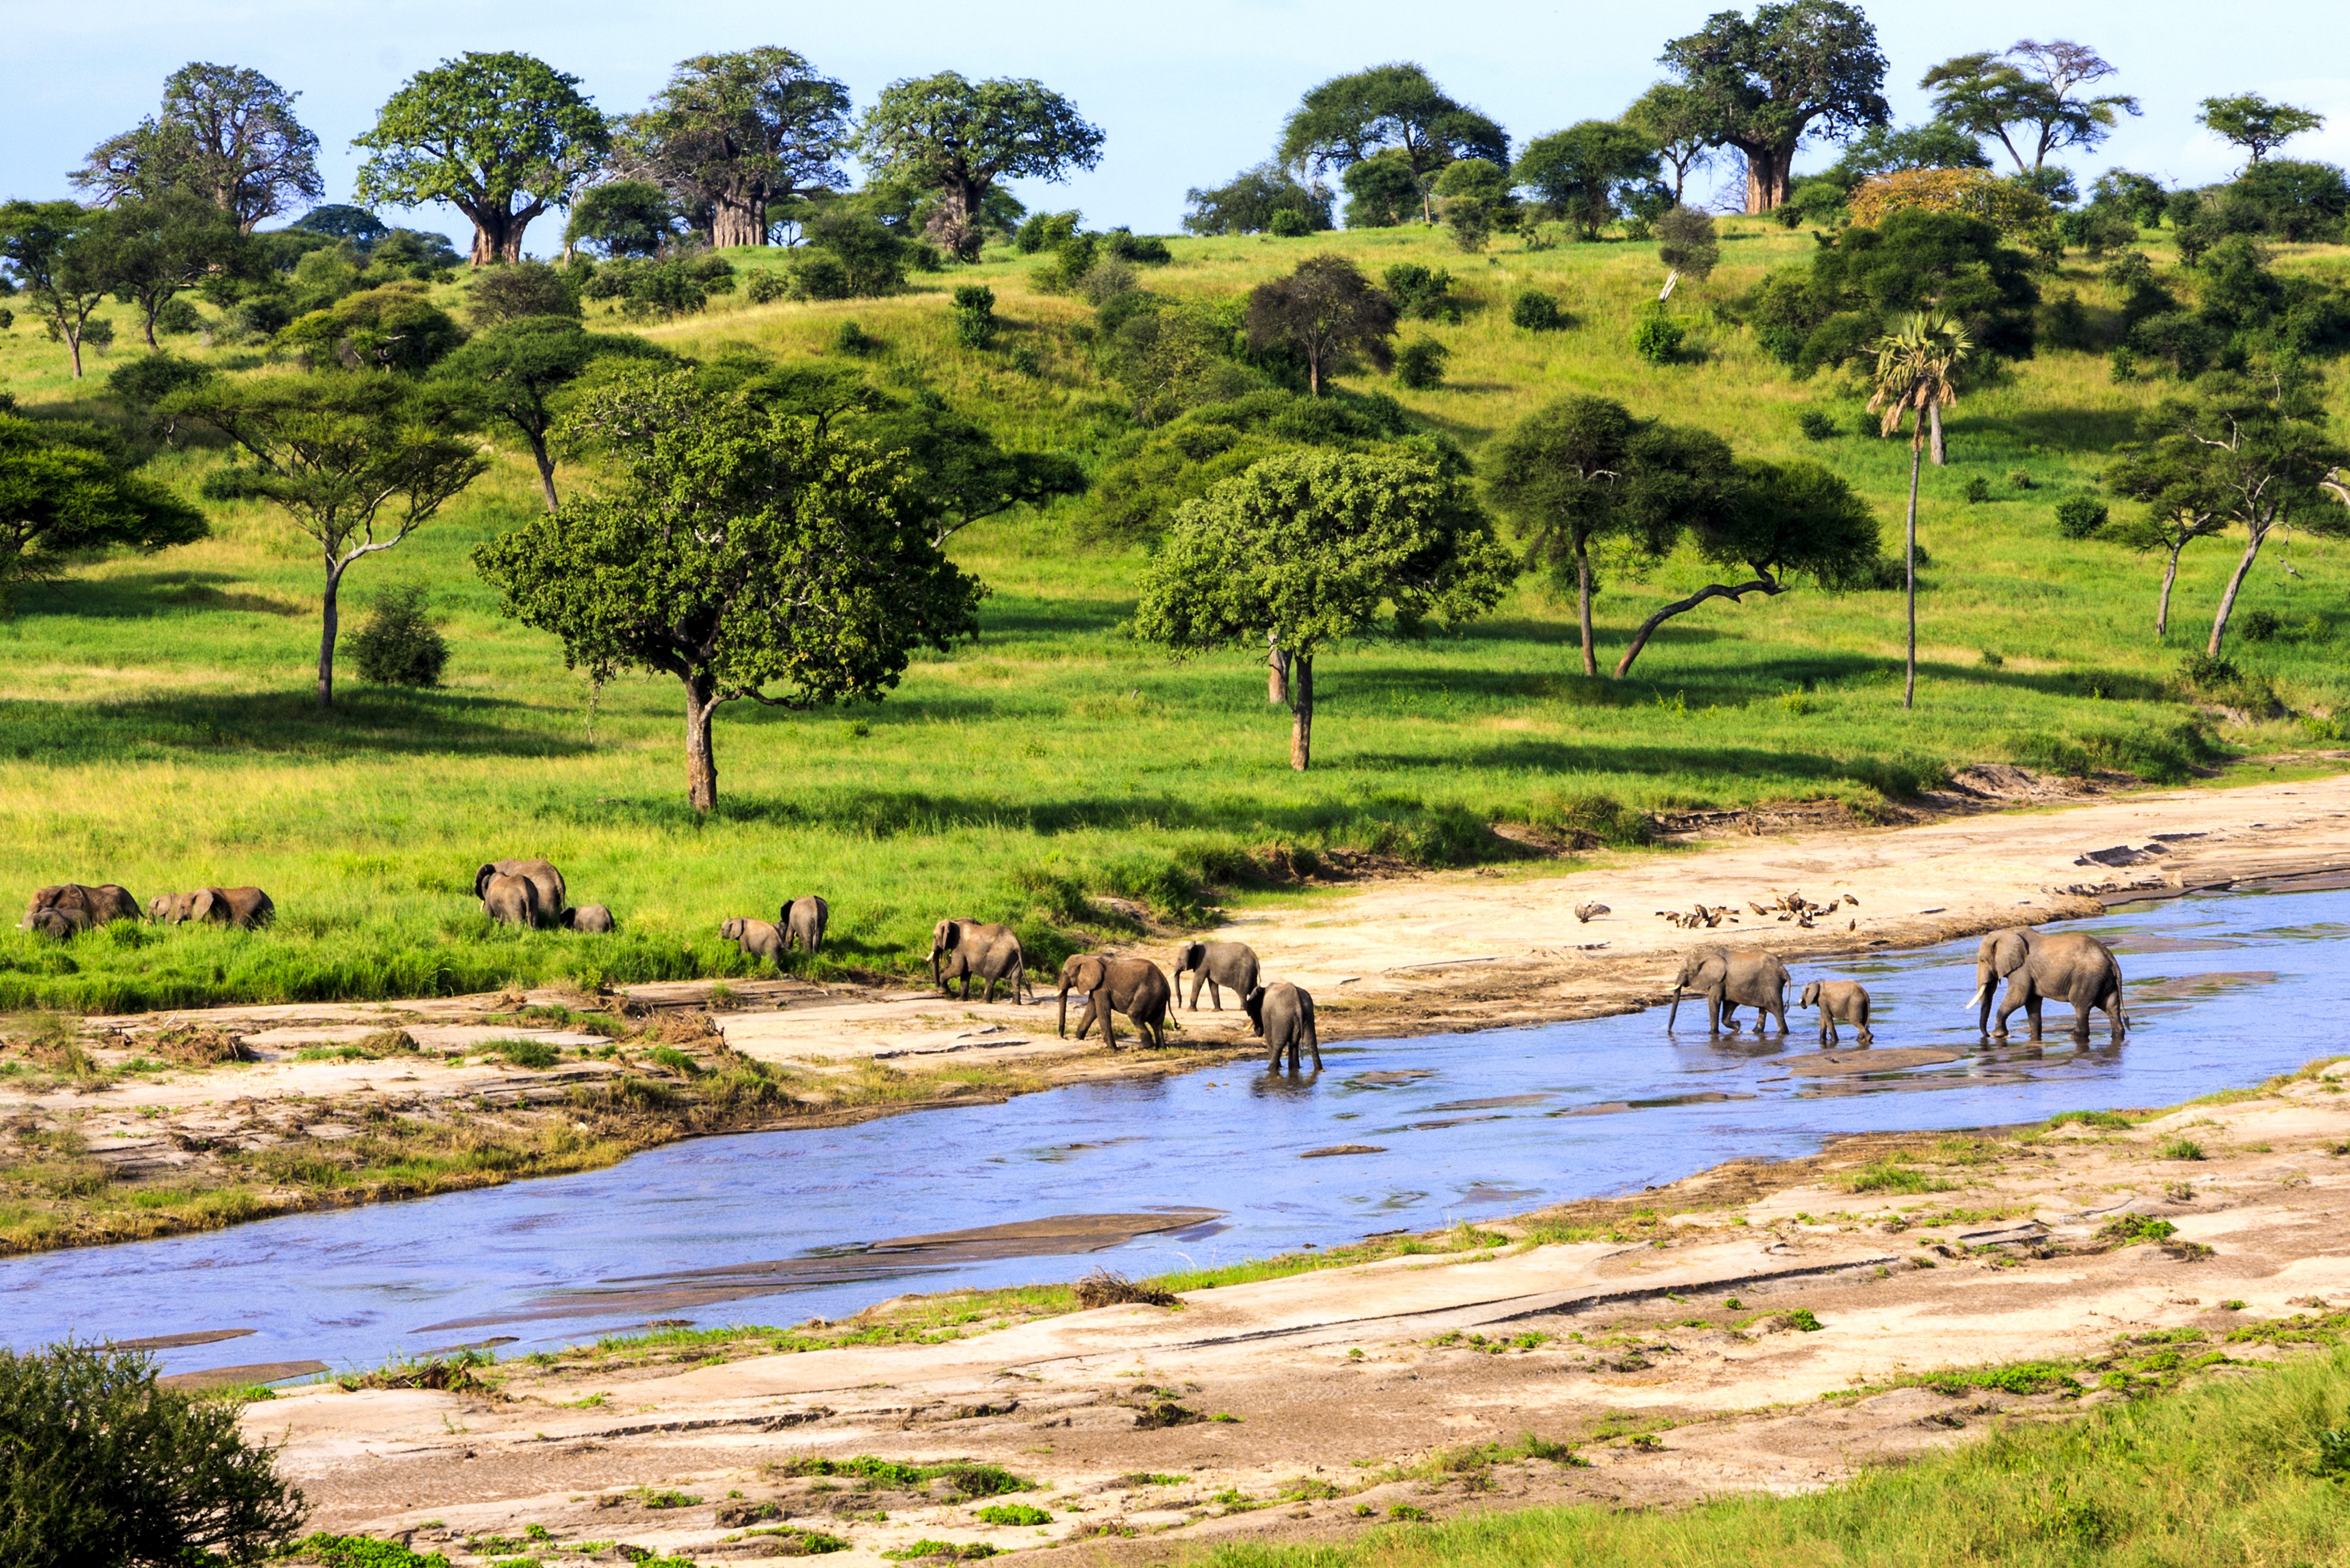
(72, 336)
(1313, 371)
(2235, 581)
(2162, 604)
(701, 759)
(328, 620)
(147, 324)
(1300, 709)
(489, 242)
(738, 220)
(1276, 669)
(1941, 451)
(1682, 606)
(545, 468)
(1582, 606)
(1766, 178)
(1909, 571)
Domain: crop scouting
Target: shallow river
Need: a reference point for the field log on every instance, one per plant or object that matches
(777, 1227)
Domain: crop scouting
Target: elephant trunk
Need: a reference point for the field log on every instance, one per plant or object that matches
(1676, 1010)
(1981, 1000)
(1062, 1026)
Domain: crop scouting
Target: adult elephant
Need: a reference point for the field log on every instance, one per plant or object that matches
(511, 900)
(99, 905)
(541, 875)
(803, 921)
(243, 908)
(1284, 1014)
(1216, 965)
(1730, 979)
(2048, 966)
(1136, 987)
(974, 950)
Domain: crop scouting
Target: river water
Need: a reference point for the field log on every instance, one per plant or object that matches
(2223, 991)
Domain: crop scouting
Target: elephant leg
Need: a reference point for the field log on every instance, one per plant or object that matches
(2081, 1021)
(2032, 1005)
(1215, 994)
(1827, 1030)
(1865, 1036)
(1101, 1008)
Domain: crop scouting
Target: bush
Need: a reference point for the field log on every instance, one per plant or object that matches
(1657, 337)
(2261, 625)
(105, 1468)
(2078, 516)
(766, 286)
(1422, 293)
(1817, 424)
(1421, 365)
(399, 646)
(178, 316)
(1685, 243)
(1537, 312)
(1288, 224)
(854, 340)
(975, 315)
(1978, 491)
(515, 289)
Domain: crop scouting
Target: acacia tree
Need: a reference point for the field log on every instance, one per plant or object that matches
(224, 133)
(1396, 110)
(958, 138)
(518, 371)
(153, 250)
(1581, 170)
(1671, 116)
(64, 492)
(1582, 469)
(1781, 521)
(2180, 510)
(1761, 85)
(2255, 124)
(1313, 548)
(2029, 96)
(738, 548)
(1917, 373)
(501, 138)
(357, 460)
(1327, 313)
(731, 133)
(52, 251)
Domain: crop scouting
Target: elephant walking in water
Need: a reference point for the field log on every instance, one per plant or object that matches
(1284, 1014)
(2048, 966)
(1730, 979)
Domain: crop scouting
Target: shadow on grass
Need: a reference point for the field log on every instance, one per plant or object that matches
(363, 719)
(145, 596)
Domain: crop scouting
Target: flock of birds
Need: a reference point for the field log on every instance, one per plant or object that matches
(1804, 912)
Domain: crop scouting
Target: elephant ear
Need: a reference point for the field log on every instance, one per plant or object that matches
(199, 904)
(2010, 950)
(481, 880)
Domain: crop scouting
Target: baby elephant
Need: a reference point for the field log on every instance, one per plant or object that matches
(1130, 985)
(98, 905)
(593, 919)
(802, 921)
(58, 922)
(1840, 1001)
(511, 900)
(243, 907)
(1284, 1015)
(756, 939)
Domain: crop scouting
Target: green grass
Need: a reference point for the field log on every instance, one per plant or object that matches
(2235, 1475)
(155, 730)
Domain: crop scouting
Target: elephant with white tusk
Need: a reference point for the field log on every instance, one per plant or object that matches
(1839, 1001)
(1729, 979)
(2048, 966)
(972, 949)
(1133, 986)
(1284, 1014)
(549, 896)
(1216, 965)
(803, 921)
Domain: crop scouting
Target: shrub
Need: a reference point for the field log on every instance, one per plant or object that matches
(1012, 1514)
(1422, 293)
(1288, 224)
(106, 1468)
(1420, 365)
(1978, 491)
(2078, 516)
(854, 340)
(1975, 192)
(1657, 337)
(766, 286)
(1817, 424)
(975, 315)
(1685, 243)
(1536, 311)
(399, 646)
(177, 316)
(516, 289)
(2261, 625)
(2181, 1148)
(1104, 1288)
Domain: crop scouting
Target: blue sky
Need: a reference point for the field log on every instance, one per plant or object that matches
(1189, 93)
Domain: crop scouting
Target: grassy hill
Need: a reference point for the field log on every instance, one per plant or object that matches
(156, 728)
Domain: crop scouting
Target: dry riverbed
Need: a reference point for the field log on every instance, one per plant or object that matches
(115, 1129)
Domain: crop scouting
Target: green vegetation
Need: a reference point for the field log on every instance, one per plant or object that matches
(964, 1479)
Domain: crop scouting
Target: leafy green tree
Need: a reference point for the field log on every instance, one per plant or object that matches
(2030, 97)
(2174, 487)
(1381, 191)
(1581, 470)
(1917, 373)
(732, 134)
(1394, 109)
(357, 460)
(2254, 124)
(1687, 244)
(104, 1470)
(737, 548)
(1327, 314)
(362, 229)
(500, 137)
(958, 138)
(517, 372)
(1882, 149)
(393, 327)
(1309, 549)
(66, 492)
(1672, 118)
(1475, 198)
(2138, 197)
(2249, 451)
(621, 218)
(1763, 86)
(225, 134)
(518, 289)
(2290, 199)
(54, 251)
(1247, 205)
(1779, 521)
(151, 252)
(1583, 170)
(1855, 289)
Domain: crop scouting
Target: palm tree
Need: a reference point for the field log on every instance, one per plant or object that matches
(1918, 371)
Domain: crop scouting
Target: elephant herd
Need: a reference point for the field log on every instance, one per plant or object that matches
(2039, 967)
(69, 908)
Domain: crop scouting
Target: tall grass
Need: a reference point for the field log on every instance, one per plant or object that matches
(154, 728)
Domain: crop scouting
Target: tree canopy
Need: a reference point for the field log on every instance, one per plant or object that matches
(53, 251)
(1672, 118)
(2030, 98)
(2254, 124)
(1248, 203)
(729, 134)
(1395, 108)
(500, 137)
(1314, 548)
(517, 372)
(224, 133)
(151, 251)
(1834, 311)
(1327, 313)
(1583, 170)
(957, 138)
(67, 490)
(622, 218)
(736, 549)
(1763, 86)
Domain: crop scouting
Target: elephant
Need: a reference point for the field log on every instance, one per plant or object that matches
(1730, 979)
(756, 939)
(802, 921)
(593, 919)
(966, 950)
(1216, 965)
(1136, 987)
(243, 908)
(1844, 1000)
(1284, 1014)
(553, 896)
(102, 904)
(511, 900)
(58, 922)
(2048, 966)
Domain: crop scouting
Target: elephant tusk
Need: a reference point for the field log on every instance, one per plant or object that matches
(1977, 997)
